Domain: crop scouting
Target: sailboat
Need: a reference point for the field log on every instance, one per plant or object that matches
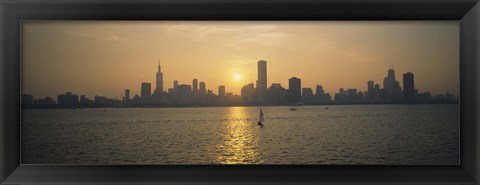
(260, 120)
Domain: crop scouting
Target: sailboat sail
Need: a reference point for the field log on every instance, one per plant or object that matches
(261, 115)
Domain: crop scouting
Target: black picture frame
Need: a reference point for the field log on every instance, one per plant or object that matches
(12, 12)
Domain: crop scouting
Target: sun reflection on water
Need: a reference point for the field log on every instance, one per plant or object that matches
(240, 141)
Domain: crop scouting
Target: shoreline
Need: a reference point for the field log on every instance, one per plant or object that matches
(210, 106)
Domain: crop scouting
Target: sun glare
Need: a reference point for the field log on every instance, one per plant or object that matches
(236, 76)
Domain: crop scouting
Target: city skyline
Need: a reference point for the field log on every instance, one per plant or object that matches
(251, 94)
(238, 70)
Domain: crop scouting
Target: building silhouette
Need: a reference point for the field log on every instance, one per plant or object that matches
(84, 101)
(341, 97)
(175, 85)
(221, 94)
(198, 94)
(159, 81)
(392, 89)
(105, 102)
(48, 101)
(277, 94)
(67, 99)
(126, 98)
(320, 96)
(354, 96)
(307, 95)
(294, 90)
(262, 81)
(373, 94)
(203, 88)
(408, 87)
(146, 92)
(27, 99)
(195, 86)
(184, 94)
(248, 93)
(370, 85)
(319, 90)
(370, 90)
(221, 91)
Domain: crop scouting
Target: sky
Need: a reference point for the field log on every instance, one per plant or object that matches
(106, 57)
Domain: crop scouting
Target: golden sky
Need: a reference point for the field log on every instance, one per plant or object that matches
(105, 57)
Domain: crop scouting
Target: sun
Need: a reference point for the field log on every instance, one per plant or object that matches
(236, 76)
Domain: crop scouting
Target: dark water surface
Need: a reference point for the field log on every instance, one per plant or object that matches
(347, 134)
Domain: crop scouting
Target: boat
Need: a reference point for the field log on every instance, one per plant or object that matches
(326, 107)
(260, 120)
(293, 108)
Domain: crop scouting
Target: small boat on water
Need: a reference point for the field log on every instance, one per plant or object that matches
(260, 120)
(293, 108)
(326, 107)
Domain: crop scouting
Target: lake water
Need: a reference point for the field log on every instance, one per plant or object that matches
(341, 134)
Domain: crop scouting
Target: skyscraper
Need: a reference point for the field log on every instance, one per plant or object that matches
(262, 81)
(389, 80)
(319, 90)
(370, 85)
(67, 99)
(247, 93)
(127, 95)
(307, 95)
(203, 88)
(221, 91)
(392, 87)
(370, 90)
(146, 92)
(408, 87)
(277, 94)
(319, 94)
(195, 86)
(159, 80)
(184, 93)
(175, 85)
(294, 90)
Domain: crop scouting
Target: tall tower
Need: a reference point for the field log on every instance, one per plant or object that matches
(294, 90)
(203, 88)
(262, 81)
(392, 87)
(127, 95)
(146, 92)
(159, 87)
(221, 90)
(389, 80)
(195, 86)
(370, 85)
(408, 87)
(175, 85)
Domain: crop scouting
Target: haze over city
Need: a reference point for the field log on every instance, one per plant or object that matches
(104, 58)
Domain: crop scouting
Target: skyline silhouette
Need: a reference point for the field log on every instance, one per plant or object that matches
(94, 58)
(251, 94)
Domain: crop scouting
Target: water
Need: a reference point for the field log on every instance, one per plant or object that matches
(347, 134)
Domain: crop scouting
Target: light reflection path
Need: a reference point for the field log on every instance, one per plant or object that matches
(240, 144)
